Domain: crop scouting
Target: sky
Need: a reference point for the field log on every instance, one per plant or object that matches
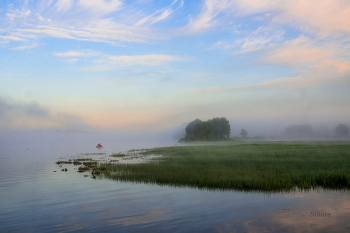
(144, 65)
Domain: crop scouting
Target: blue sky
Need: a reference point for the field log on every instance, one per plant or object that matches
(144, 65)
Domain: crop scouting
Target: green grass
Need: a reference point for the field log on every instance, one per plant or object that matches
(268, 166)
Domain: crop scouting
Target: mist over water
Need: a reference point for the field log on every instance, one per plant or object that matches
(35, 195)
(79, 141)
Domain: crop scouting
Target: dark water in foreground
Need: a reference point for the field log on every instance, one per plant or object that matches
(33, 198)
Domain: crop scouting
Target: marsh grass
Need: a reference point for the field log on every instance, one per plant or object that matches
(119, 155)
(99, 170)
(268, 166)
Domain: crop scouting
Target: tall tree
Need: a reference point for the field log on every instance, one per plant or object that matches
(222, 127)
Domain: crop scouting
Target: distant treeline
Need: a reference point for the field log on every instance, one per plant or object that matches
(306, 131)
(213, 129)
(219, 129)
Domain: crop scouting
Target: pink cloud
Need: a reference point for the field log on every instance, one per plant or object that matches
(309, 58)
(322, 17)
(296, 53)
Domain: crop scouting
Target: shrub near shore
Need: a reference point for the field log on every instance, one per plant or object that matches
(268, 166)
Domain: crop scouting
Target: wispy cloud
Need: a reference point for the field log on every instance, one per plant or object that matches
(20, 14)
(310, 58)
(147, 60)
(109, 62)
(82, 53)
(101, 7)
(210, 16)
(319, 45)
(64, 5)
(87, 20)
(259, 39)
(11, 38)
(159, 14)
(325, 18)
(24, 47)
(69, 54)
(321, 17)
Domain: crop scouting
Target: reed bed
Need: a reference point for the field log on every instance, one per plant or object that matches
(267, 166)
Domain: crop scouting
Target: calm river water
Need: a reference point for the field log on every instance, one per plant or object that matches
(34, 198)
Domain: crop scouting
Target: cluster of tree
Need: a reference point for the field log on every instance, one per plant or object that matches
(214, 129)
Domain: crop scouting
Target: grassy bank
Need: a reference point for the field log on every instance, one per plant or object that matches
(268, 166)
